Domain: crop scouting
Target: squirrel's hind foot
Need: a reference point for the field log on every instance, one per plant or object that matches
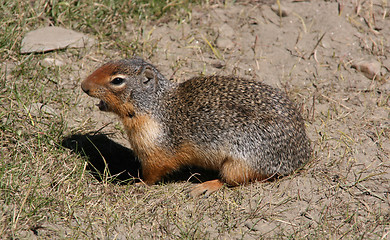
(206, 188)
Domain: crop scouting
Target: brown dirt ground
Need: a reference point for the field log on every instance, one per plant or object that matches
(309, 53)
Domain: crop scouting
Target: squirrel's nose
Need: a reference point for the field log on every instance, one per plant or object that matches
(85, 88)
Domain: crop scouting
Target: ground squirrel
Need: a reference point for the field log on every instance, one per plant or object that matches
(244, 129)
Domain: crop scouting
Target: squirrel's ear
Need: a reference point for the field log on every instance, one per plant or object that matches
(148, 75)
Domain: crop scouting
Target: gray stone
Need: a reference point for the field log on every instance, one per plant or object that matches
(53, 38)
(369, 69)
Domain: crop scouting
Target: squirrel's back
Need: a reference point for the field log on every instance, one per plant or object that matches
(240, 117)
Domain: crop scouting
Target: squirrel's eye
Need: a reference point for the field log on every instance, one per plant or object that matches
(117, 81)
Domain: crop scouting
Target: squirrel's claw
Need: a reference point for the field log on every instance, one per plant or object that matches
(206, 188)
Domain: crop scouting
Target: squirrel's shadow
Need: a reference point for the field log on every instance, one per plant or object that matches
(109, 160)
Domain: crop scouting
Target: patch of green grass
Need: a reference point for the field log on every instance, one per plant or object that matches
(42, 184)
(106, 19)
(29, 144)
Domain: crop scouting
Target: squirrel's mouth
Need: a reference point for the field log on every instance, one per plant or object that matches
(103, 106)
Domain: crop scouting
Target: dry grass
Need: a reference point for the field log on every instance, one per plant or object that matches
(54, 179)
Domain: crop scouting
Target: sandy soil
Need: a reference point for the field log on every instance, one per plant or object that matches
(314, 54)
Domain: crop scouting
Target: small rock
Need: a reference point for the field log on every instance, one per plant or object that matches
(224, 43)
(370, 69)
(281, 12)
(48, 62)
(217, 65)
(53, 38)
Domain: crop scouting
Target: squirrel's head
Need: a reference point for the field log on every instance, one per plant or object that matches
(125, 87)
